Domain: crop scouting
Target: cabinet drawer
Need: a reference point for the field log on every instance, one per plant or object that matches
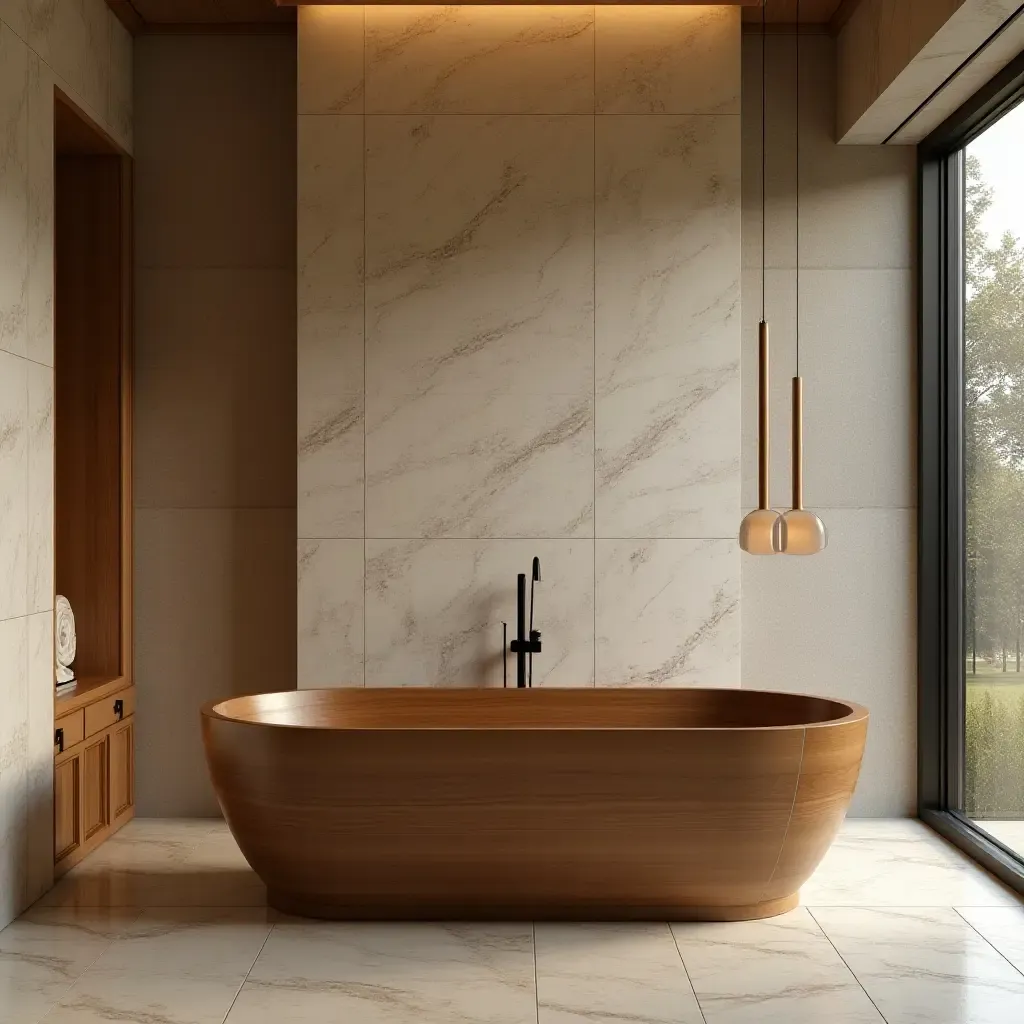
(107, 712)
(70, 729)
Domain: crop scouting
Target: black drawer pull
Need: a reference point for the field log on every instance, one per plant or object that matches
(119, 709)
(58, 739)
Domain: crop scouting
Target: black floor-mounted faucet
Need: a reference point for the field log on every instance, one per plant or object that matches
(525, 644)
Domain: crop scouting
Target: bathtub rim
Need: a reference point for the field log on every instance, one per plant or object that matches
(212, 710)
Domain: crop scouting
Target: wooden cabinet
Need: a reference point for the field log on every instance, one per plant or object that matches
(94, 776)
(94, 725)
(67, 817)
(121, 754)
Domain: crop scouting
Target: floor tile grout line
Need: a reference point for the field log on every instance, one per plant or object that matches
(686, 971)
(988, 942)
(853, 973)
(270, 931)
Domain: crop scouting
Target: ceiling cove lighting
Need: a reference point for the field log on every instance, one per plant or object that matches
(515, 3)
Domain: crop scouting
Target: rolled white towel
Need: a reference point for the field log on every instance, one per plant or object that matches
(65, 641)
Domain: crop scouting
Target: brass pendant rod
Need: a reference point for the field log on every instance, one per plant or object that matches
(763, 419)
(798, 443)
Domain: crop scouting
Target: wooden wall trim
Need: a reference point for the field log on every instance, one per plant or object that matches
(219, 28)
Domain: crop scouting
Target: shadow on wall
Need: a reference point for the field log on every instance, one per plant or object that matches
(215, 391)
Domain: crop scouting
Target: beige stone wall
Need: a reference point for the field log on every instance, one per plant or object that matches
(81, 48)
(519, 262)
(214, 393)
(842, 624)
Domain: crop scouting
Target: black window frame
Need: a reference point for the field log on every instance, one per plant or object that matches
(941, 548)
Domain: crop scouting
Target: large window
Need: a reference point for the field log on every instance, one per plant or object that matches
(972, 477)
(993, 461)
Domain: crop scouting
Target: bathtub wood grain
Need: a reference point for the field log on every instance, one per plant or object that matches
(656, 804)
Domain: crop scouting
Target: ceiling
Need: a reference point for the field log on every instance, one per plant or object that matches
(141, 15)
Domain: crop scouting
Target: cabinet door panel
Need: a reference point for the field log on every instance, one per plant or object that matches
(95, 803)
(67, 835)
(122, 759)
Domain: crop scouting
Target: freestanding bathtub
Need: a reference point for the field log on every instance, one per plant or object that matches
(684, 804)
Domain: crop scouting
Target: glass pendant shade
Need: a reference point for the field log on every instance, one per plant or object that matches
(798, 531)
(757, 531)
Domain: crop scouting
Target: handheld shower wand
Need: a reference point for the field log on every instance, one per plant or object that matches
(535, 578)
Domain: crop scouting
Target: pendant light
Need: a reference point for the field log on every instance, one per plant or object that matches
(758, 529)
(799, 531)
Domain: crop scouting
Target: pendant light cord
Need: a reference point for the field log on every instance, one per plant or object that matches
(764, 158)
(798, 188)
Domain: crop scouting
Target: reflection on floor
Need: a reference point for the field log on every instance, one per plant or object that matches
(165, 924)
(1009, 833)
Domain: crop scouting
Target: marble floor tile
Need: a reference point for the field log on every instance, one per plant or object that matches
(46, 950)
(217, 852)
(1002, 927)
(200, 942)
(899, 863)
(925, 965)
(180, 830)
(29, 990)
(180, 933)
(78, 936)
(213, 874)
(99, 997)
(779, 971)
(392, 974)
(611, 974)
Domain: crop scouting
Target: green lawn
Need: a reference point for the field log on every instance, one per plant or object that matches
(994, 782)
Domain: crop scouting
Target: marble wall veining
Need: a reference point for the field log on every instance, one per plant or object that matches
(519, 312)
(79, 47)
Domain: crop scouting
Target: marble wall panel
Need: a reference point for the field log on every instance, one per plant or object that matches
(14, 499)
(491, 60)
(434, 611)
(14, 263)
(330, 613)
(552, 241)
(668, 613)
(331, 324)
(479, 296)
(65, 44)
(667, 60)
(668, 322)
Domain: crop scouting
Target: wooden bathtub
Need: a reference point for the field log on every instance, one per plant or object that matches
(684, 804)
